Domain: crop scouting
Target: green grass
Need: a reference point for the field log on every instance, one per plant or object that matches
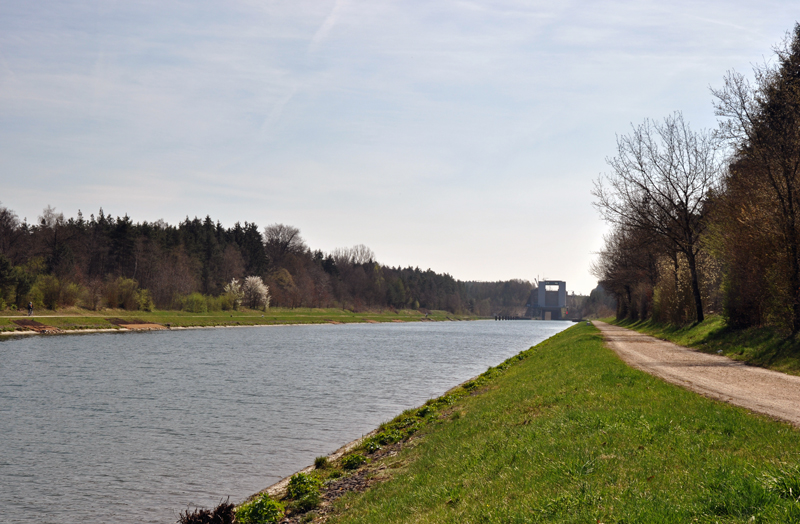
(568, 433)
(764, 346)
(78, 319)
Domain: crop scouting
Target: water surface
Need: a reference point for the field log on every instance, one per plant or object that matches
(135, 427)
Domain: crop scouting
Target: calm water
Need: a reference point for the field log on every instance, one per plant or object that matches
(135, 427)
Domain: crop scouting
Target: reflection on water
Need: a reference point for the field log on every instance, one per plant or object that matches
(136, 427)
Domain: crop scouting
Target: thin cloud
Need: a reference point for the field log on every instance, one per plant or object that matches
(275, 115)
(6, 68)
(326, 26)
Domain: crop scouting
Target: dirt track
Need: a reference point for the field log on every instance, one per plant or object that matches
(760, 390)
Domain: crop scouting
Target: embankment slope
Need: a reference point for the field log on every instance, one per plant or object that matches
(570, 433)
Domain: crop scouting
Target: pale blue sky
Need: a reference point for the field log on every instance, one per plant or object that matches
(461, 136)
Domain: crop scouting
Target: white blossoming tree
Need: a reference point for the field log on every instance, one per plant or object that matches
(255, 293)
(234, 290)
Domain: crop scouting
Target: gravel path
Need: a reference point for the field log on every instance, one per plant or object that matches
(757, 389)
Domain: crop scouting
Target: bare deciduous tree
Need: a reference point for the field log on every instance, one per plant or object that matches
(281, 240)
(353, 256)
(660, 181)
(232, 263)
(626, 268)
(361, 254)
(9, 230)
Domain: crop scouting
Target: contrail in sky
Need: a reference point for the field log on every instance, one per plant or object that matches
(326, 26)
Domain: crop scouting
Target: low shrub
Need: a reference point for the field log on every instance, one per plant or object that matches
(307, 502)
(302, 484)
(307, 518)
(321, 463)
(424, 411)
(353, 461)
(227, 301)
(35, 295)
(121, 293)
(222, 514)
(195, 303)
(50, 289)
(92, 295)
(303, 489)
(472, 385)
(214, 303)
(261, 510)
(304, 504)
(70, 293)
(371, 445)
(389, 437)
(128, 290)
(404, 425)
(50, 292)
(146, 300)
(441, 402)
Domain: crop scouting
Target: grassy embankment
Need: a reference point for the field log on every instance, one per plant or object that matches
(764, 346)
(79, 319)
(566, 432)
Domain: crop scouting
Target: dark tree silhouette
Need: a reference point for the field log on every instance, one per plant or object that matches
(659, 183)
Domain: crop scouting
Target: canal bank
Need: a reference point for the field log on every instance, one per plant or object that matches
(75, 320)
(567, 432)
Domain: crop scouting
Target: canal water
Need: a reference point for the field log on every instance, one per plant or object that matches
(136, 427)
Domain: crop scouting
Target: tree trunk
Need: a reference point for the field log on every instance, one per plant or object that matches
(623, 303)
(698, 300)
(794, 283)
(792, 245)
(676, 271)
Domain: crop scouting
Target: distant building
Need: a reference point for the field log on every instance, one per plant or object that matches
(549, 301)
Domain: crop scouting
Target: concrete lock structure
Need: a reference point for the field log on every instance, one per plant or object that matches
(550, 301)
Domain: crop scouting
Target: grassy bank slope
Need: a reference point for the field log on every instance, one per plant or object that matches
(569, 433)
(764, 346)
(77, 319)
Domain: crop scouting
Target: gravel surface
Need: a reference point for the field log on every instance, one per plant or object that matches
(757, 389)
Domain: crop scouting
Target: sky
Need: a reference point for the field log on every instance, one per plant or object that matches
(461, 136)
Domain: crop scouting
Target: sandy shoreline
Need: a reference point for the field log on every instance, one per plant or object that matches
(180, 328)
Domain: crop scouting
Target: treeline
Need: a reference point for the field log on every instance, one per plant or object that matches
(102, 261)
(709, 222)
(599, 304)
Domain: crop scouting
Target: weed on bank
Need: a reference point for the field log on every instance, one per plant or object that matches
(566, 432)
